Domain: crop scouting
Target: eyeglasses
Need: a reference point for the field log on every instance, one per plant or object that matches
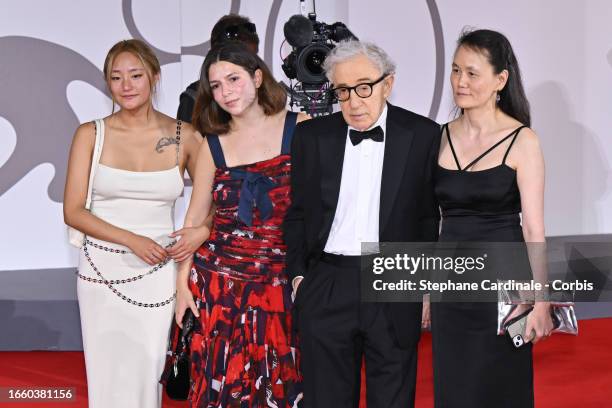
(233, 32)
(364, 90)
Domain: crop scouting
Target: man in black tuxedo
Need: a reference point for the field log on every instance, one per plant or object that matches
(360, 175)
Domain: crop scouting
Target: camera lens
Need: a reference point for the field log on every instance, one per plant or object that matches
(314, 62)
(310, 63)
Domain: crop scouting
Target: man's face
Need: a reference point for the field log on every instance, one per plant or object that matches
(362, 113)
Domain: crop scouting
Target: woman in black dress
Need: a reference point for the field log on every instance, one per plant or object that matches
(490, 172)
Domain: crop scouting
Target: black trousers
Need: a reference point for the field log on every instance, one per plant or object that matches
(337, 331)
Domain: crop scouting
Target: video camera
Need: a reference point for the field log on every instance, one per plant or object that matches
(311, 41)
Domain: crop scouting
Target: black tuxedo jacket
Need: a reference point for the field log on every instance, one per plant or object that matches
(408, 208)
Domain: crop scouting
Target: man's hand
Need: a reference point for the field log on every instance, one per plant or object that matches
(295, 284)
(426, 316)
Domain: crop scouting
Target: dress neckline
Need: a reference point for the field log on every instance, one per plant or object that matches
(512, 134)
(140, 172)
(477, 171)
(219, 158)
(254, 163)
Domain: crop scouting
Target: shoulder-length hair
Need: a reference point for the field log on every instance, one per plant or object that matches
(208, 116)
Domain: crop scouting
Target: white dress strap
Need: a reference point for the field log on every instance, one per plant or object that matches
(99, 143)
(76, 237)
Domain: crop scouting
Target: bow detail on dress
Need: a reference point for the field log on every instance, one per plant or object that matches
(254, 193)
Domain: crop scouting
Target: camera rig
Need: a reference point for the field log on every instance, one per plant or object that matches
(311, 41)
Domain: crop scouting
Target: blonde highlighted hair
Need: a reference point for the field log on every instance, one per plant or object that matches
(140, 50)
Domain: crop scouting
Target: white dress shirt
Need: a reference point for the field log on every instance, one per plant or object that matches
(357, 214)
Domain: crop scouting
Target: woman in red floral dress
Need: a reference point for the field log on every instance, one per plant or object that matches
(243, 350)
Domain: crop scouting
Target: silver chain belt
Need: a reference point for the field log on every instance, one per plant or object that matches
(110, 283)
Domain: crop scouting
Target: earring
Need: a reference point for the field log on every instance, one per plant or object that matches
(497, 98)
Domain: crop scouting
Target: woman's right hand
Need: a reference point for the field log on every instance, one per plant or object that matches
(184, 301)
(147, 249)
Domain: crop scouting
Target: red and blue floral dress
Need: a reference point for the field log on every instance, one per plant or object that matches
(243, 350)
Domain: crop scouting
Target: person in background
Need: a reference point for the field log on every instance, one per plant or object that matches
(126, 281)
(231, 27)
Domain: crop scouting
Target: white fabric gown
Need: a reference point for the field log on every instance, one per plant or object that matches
(125, 344)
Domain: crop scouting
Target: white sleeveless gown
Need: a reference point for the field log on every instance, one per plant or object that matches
(125, 344)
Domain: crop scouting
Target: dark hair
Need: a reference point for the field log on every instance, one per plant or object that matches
(208, 116)
(498, 51)
(233, 27)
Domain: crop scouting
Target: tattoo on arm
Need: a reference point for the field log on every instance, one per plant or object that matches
(163, 142)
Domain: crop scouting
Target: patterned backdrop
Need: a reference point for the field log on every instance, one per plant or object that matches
(51, 56)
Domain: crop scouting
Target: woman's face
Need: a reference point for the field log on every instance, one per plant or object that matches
(474, 82)
(232, 87)
(129, 82)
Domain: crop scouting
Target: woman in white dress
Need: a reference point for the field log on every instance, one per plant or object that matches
(127, 282)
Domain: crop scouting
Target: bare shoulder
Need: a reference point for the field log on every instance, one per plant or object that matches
(280, 116)
(526, 151)
(527, 141)
(187, 131)
(85, 135)
(168, 123)
(453, 126)
(203, 150)
(190, 134)
(302, 116)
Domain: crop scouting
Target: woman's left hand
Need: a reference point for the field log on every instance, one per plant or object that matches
(190, 240)
(539, 323)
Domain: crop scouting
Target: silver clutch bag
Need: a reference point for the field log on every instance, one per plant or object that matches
(562, 309)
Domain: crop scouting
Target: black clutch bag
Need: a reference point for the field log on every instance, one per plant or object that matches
(178, 364)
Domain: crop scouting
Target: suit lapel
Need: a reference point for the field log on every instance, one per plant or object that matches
(397, 146)
(331, 159)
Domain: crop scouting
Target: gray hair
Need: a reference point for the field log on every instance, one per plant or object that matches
(345, 50)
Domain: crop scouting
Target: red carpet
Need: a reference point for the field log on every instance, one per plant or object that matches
(569, 371)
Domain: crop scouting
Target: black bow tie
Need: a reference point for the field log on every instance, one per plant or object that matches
(376, 134)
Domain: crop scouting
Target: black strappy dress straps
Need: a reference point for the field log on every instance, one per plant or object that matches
(516, 133)
(450, 143)
(513, 133)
